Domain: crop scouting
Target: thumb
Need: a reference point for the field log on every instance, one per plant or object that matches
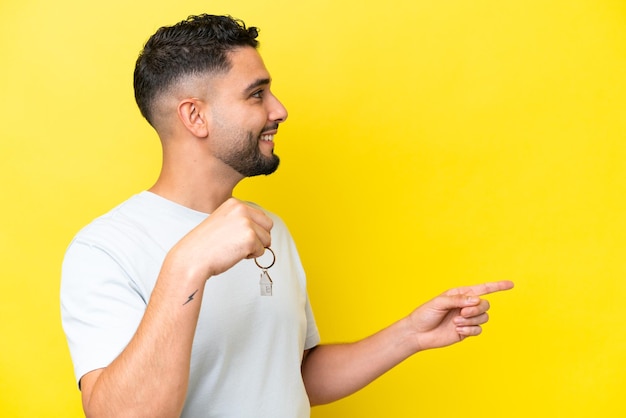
(448, 302)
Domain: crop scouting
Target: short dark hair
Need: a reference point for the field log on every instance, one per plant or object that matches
(196, 45)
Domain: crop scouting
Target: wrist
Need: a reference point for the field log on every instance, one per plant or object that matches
(408, 339)
(186, 266)
(179, 278)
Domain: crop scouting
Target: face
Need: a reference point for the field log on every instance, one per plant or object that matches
(245, 116)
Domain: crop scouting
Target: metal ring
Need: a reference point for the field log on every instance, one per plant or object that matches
(273, 261)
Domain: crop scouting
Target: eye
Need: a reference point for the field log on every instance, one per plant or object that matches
(258, 94)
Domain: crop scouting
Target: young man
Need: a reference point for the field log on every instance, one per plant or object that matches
(161, 302)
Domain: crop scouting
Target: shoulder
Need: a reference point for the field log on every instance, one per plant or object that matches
(145, 216)
(114, 223)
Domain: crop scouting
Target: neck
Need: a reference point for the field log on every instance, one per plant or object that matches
(201, 183)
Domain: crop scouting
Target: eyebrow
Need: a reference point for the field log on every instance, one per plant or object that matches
(258, 83)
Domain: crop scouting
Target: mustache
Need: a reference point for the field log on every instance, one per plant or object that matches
(272, 127)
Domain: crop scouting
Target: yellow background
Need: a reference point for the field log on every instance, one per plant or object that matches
(430, 144)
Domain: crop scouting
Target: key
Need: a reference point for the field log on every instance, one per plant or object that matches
(265, 283)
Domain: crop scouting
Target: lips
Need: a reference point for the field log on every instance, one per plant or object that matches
(268, 132)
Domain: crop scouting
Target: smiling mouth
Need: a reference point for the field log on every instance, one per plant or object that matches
(267, 137)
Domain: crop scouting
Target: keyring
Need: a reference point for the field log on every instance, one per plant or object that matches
(271, 264)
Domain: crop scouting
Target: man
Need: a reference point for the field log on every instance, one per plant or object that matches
(161, 302)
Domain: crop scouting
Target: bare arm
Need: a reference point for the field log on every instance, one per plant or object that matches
(149, 378)
(331, 372)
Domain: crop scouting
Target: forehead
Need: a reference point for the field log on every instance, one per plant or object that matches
(247, 68)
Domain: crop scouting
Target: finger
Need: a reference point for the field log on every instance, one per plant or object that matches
(262, 220)
(483, 288)
(469, 331)
(258, 251)
(261, 227)
(263, 236)
(257, 222)
(260, 240)
(471, 321)
(259, 217)
(456, 301)
(475, 310)
(235, 207)
(266, 259)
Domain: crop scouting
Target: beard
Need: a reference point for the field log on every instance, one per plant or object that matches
(248, 160)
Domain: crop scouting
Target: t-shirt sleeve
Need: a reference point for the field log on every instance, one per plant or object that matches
(100, 307)
(312, 333)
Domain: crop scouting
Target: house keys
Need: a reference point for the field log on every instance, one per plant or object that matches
(265, 283)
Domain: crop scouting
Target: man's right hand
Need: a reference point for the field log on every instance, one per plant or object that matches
(233, 232)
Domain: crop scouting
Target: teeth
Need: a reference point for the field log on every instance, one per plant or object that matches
(267, 137)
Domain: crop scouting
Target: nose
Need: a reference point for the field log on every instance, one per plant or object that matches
(277, 112)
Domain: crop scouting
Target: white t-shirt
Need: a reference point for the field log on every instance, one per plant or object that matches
(247, 350)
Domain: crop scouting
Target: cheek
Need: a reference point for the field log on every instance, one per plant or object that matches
(239, 119)
(255, 118)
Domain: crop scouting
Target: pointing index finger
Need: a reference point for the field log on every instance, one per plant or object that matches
(484, 288)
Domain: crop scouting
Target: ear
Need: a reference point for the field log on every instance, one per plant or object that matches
(192, 114)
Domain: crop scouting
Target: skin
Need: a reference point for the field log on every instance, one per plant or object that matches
(332, 372)
(201, 138)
